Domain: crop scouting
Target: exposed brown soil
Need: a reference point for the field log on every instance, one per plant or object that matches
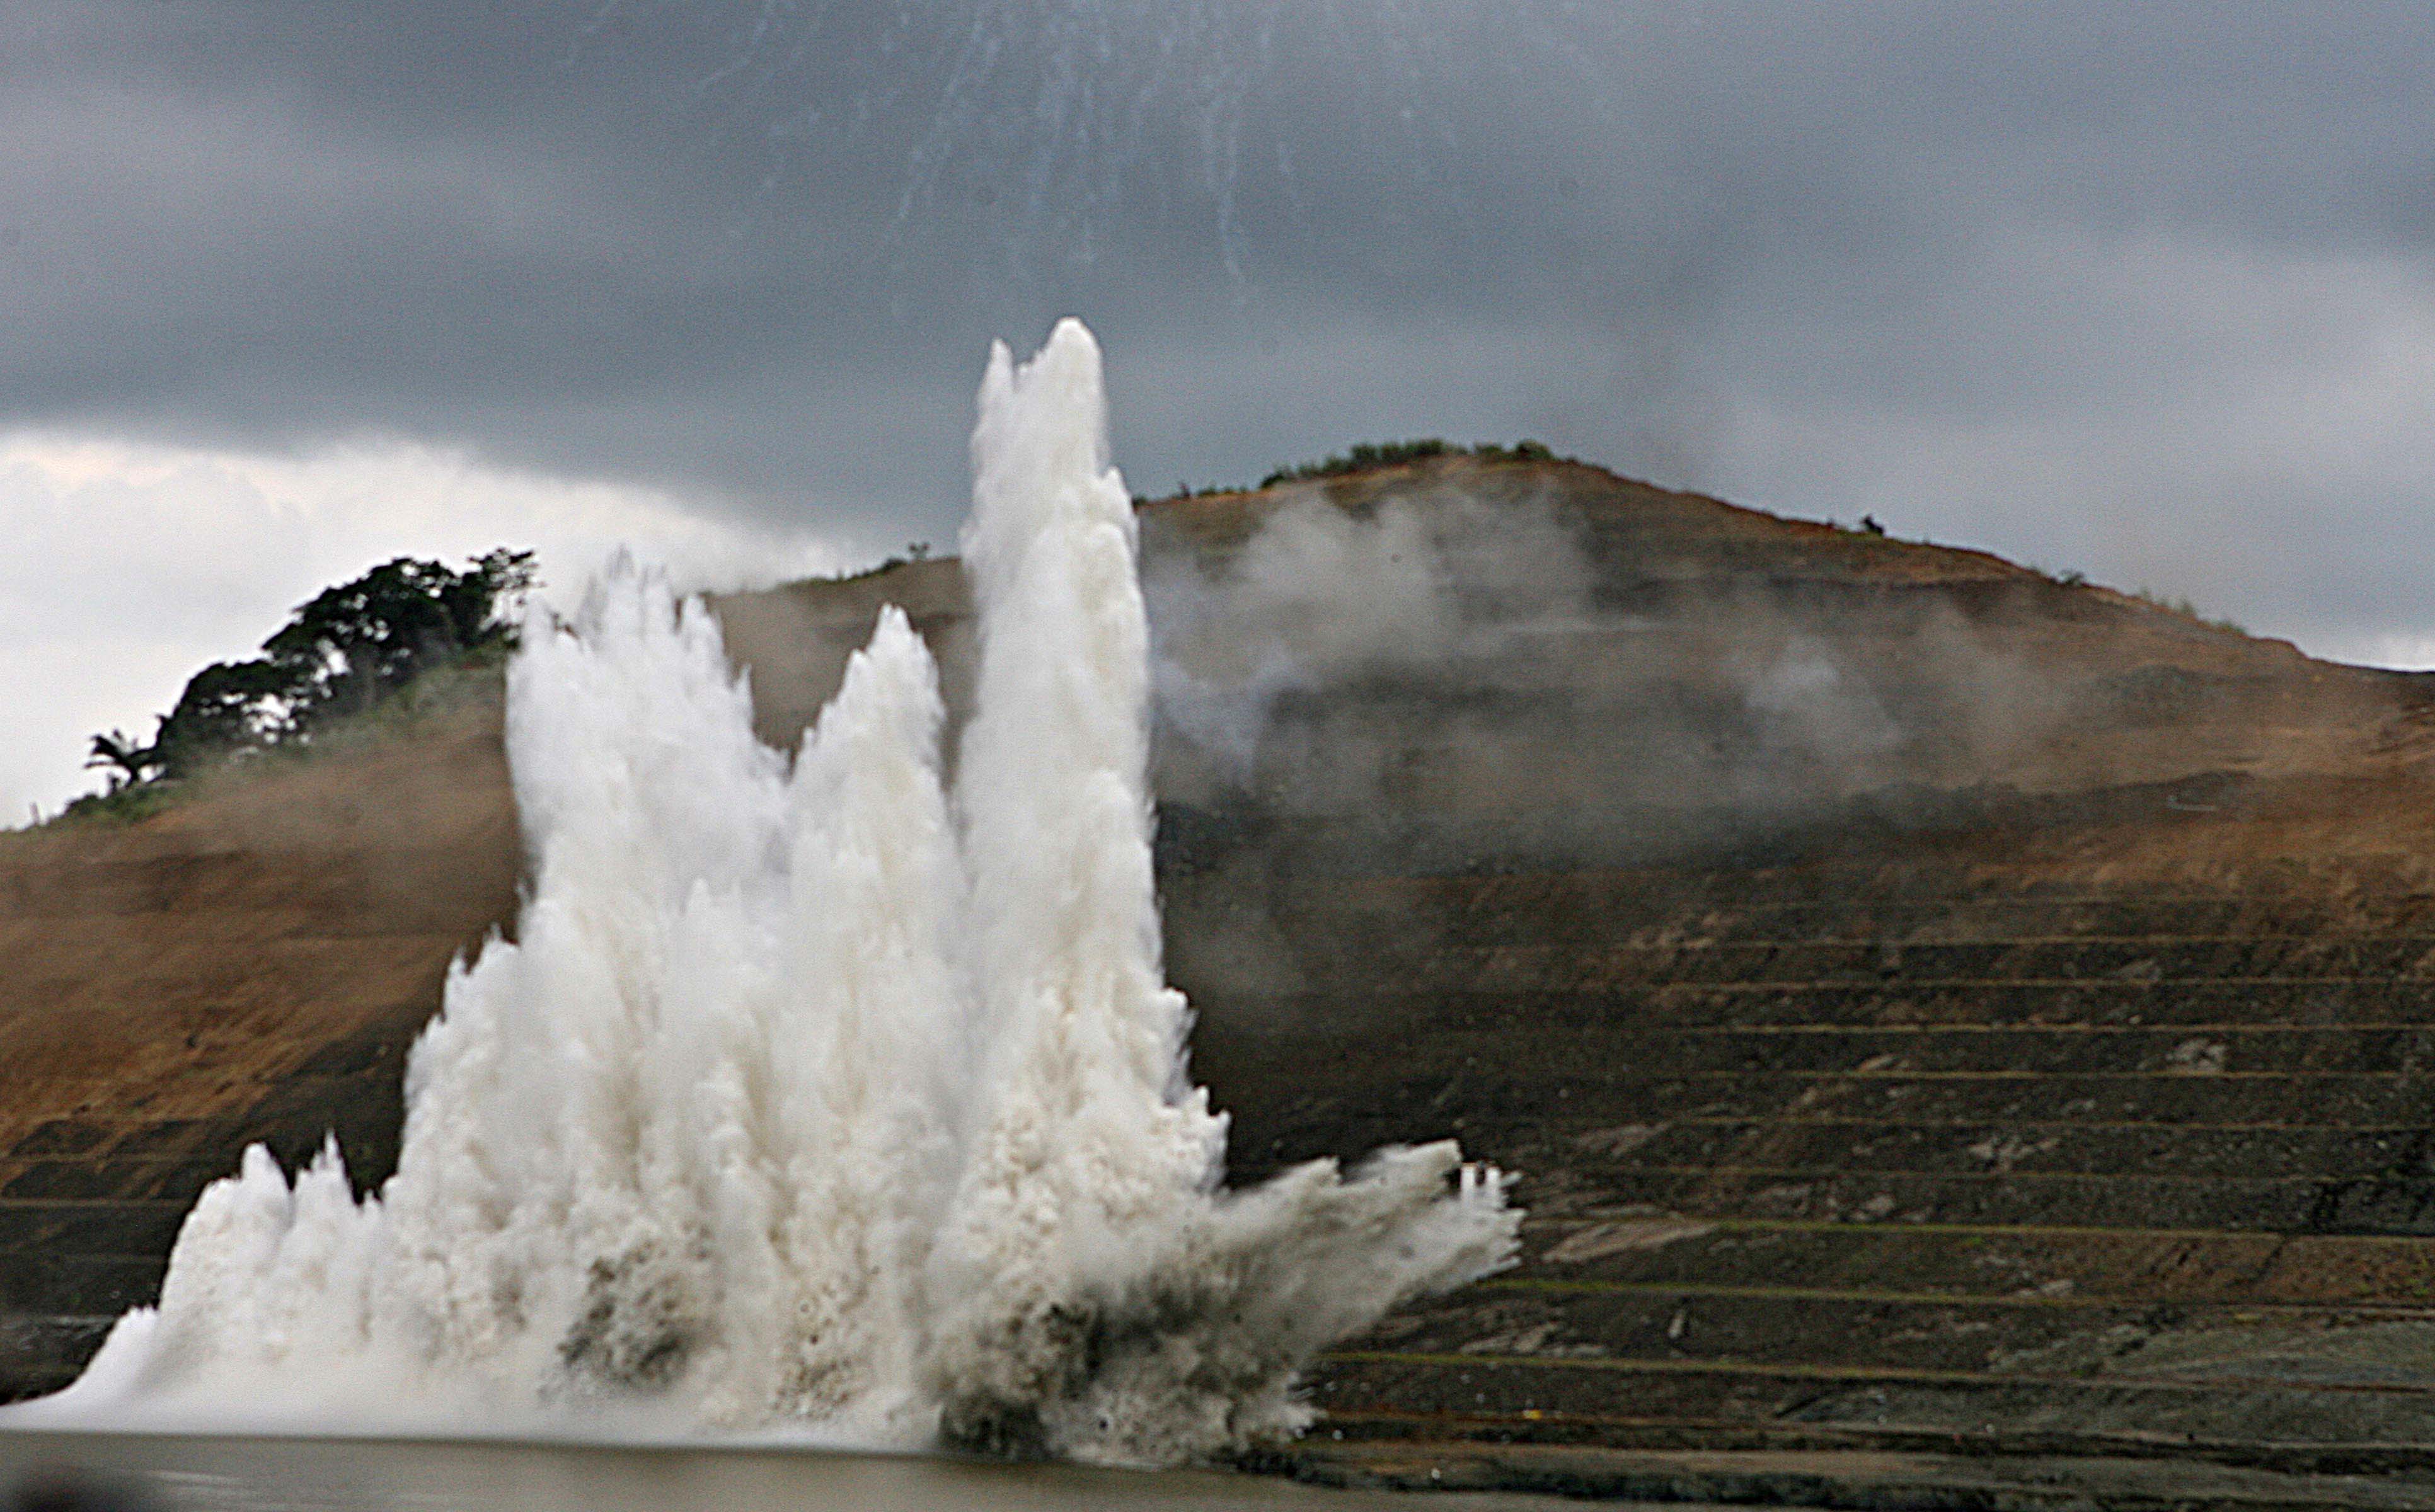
(248, 965)
(2043, 1073)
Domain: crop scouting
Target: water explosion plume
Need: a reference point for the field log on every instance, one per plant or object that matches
(811, 1097)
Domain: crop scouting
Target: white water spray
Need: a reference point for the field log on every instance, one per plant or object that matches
(806, 1100)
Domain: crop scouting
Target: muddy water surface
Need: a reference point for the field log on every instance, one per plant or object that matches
(99, 1473)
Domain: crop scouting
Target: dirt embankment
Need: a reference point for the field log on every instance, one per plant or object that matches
(248, 965)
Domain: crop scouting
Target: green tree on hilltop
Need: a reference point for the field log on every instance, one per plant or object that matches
(126, 762)
(354, 645)
(227, 706)
(340, 653)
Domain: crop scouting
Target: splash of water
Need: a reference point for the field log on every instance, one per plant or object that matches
(808, 1098)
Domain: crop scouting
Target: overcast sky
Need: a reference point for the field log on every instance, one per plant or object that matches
(288, 286)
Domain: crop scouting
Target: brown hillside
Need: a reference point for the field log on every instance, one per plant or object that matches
(245, 966)
(1933, 1006)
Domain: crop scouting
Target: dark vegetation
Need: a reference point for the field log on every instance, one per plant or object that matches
(347, 650)
(917, 551)
(1398, 454)
(1369, 455)
(2188, 610)
(2182, 606)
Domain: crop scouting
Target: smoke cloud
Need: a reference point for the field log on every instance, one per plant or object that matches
(1323, 597)
(1490, 668)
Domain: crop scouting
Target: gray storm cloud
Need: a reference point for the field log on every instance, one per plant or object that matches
(2126, 291)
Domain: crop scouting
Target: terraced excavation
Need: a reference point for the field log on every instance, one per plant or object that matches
(1963, 1034)
(1906, 1154)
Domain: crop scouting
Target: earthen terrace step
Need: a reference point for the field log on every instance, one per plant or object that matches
(2036, 1335)
(1521, 1398)
(1406, 1106)
(1958, 1005)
